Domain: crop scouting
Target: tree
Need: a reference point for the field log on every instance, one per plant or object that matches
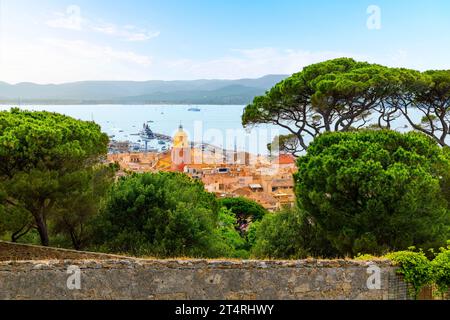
(286, 143)
(246, 211)
(227, 229)
(374, 191)
(422, 99)
(40, 152)
(73, 216)
(244, 208)
(433, 101)
(399, 93)
(335, 95)
(160, 214)
(280, 235)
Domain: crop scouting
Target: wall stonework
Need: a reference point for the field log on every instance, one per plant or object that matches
(194, 279)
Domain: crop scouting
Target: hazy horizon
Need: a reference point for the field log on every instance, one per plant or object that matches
(143, 81)
(65, 41)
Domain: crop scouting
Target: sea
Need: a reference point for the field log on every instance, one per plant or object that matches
(218, 125)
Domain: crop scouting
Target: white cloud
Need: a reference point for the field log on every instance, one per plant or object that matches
(72, 19)
(242, 63)
(83, 49)
(128, 33)
(58, 61)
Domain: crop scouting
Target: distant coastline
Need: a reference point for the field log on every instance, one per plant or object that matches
(118, 103)
(189, 92)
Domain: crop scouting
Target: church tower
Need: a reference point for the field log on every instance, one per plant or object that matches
(181, 150)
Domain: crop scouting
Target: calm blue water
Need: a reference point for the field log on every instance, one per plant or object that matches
(218, 125)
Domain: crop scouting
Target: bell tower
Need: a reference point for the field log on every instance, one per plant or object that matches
(181, 150)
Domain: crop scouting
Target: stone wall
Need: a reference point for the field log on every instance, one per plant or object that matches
(193, 279)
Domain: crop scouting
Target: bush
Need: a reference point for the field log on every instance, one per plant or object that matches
(244, 208)
(162, 215)
(280, 236)
(230, 236)
(415, 268)
(419, 271)
(441, 270)
(374, 192)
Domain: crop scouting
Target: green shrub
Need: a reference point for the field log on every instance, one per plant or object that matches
(162, 215)
(441, 270)
(230, 236)
(375, 192)
(415, 268)
(280, 236)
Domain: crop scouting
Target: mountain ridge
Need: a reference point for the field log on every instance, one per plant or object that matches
(202, 91)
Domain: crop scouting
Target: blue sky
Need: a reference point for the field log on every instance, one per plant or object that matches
(55, 41)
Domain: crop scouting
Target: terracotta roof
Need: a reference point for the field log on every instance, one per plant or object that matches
(283, 183)
(243, 191)
(285, 159)
(263, 197)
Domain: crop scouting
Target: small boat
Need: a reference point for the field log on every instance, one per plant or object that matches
(161, 142)
(150, 121)
(194, 110)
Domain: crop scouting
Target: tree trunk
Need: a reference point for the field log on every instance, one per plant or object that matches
(20, 233)
(42, 229)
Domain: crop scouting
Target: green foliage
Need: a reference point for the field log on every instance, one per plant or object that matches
(441, 269)
(419, 271)
(41, 154)
(244, 208)
(333, 95)
(365, 257)
(252, 233)
(374, 192)
(415, 268)
(286, 143)
(230, 236)
(72, 218)
(161, 214)
(280, 236)
(343, 94)
(247, 213)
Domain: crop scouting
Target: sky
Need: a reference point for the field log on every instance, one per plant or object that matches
(57, 41)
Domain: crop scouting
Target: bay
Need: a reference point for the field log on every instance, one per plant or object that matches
(219, 125)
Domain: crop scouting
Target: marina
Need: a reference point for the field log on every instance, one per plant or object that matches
(124, 123)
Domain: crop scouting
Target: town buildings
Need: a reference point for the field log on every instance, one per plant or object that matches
(266, 180)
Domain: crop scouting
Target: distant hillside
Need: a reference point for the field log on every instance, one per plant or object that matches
(148, 92)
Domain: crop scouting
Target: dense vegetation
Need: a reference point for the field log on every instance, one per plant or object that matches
(344, 94)
(361, 188)
(47, 164)
(419, 271)
(164, 215)
(363, 192)
(374, 191)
